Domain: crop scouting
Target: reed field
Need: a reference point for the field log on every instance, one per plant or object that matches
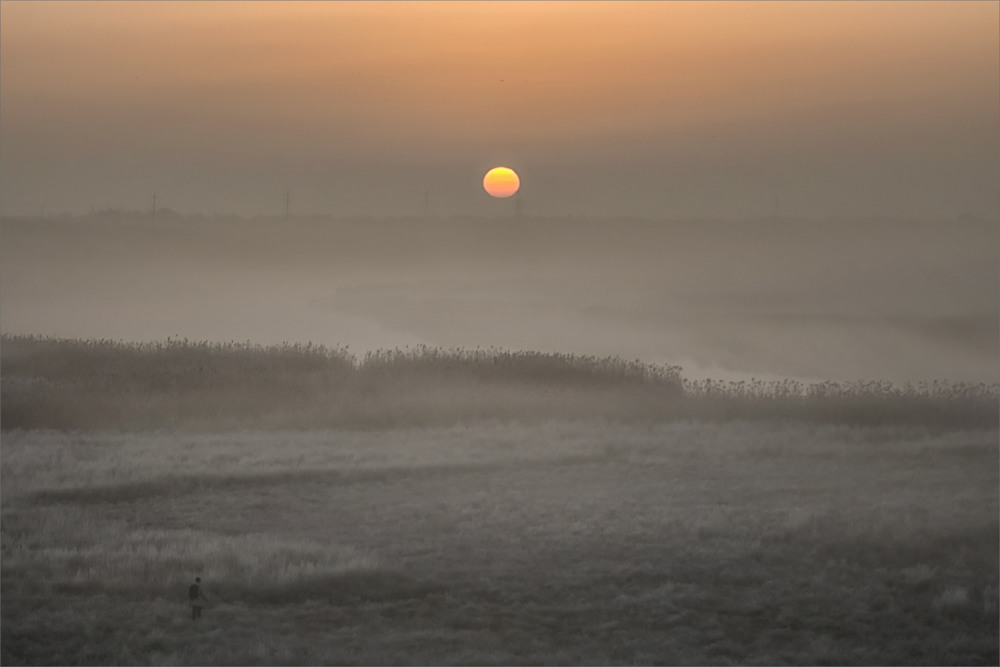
(427, 506)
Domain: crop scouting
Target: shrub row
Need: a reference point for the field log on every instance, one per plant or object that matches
(78, 384)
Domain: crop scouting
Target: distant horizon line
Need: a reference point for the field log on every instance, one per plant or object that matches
(172, 214)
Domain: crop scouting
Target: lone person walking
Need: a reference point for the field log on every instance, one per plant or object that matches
(196, 598)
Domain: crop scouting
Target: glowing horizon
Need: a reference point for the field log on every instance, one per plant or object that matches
(836, 107)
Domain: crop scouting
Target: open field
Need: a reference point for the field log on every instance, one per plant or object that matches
(616, 537)
(566, 542)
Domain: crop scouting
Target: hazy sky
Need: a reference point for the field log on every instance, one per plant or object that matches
(653, 109)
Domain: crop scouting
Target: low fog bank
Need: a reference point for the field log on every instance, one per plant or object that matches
(897, 300)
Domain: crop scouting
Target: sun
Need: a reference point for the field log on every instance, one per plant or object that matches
(501, 182)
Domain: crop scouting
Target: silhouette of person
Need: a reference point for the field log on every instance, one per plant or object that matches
(197, 598)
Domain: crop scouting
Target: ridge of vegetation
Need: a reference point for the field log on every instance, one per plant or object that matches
(70, 384)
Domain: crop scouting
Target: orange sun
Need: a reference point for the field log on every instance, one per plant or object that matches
(501, 182)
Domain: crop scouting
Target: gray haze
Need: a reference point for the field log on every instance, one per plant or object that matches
(833, 299)
(817, 182)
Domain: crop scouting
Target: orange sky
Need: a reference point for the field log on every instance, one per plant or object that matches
(146, 92)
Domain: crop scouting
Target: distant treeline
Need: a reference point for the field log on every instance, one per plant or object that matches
(76, 384)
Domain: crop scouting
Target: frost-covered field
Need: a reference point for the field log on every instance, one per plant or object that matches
(567, 541)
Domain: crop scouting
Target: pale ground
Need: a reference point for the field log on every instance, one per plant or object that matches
(565, 542)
